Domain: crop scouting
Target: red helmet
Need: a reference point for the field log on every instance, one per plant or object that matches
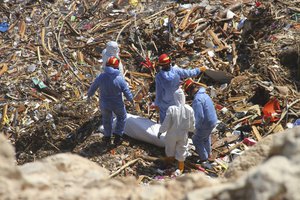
(187, 84)
(164, 59)
(113, 62)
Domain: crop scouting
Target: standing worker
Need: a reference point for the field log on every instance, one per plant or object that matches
(112, 49)
(205, 117)
(167, 82)
(111, 86)
(178, 122)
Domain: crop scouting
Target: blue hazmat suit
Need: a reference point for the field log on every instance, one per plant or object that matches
(206, 120)
(167, 82)
(178, 122)
(111, 85)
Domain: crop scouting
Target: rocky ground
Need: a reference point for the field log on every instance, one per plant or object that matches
(273, 175)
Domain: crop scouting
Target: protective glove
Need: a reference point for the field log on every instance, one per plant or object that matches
(203, 68)
(153, 106)
(133, 104)
(158, 135)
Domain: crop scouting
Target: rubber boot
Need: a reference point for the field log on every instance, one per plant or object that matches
(181, 166)
(118, 140)
(106, 140)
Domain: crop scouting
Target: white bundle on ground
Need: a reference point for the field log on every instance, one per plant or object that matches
(144, 129)
(141, 128)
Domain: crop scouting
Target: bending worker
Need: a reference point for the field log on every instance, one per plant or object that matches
(178, 122)
(167, 82)
(111, 85)
(205, 117)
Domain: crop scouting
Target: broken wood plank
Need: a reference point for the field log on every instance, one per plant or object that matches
(256, 133)
(200, 84)
(233, 99)
(216, 39)
(124, 166)
(22, 28)
(4, 116)
(277, 128)
(140, 74)
(4, 68)
(225, 26)
(227, 151)
(234, 54)
(184, 22)
(43, 42)
(242, 119)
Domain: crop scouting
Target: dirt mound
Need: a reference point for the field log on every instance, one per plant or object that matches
(250, 158)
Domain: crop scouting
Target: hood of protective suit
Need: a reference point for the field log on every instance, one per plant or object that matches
(179, 97)
(112, 71)
(111, 49)
(183, 116)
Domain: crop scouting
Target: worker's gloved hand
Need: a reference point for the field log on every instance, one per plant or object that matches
(153, 106)
(203, 68)
(158, 135)
(133, 103)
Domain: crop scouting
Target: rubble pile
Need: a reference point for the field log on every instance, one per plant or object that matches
(51, 52)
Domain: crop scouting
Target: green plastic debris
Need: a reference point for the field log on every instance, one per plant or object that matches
(38, 83)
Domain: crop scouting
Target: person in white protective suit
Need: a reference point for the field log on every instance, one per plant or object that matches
(112, 49)
(178, 122)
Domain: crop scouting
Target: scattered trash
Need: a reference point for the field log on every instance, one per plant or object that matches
(241, 23)
(271, 110)
(4, 27)
(229, 14)
(39, 83)
(31, 68)
(249, 142)
(297, 122)
(290, 125)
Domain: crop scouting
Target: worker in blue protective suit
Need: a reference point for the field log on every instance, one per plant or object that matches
(205, 119)
(178, 122)
(167, 82)
(111, 86)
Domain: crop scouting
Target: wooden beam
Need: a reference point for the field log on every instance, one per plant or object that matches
(256, 133)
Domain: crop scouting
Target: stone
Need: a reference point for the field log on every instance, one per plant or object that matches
(277, 177)
(250, 158)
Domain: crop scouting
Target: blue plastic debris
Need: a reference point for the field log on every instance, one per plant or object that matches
(297, 122)
(4, 27)
(241, 23)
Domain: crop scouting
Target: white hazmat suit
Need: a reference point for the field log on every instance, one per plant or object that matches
(112, 49)
(178, 122)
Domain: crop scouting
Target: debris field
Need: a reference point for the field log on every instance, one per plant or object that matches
(51, 52)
